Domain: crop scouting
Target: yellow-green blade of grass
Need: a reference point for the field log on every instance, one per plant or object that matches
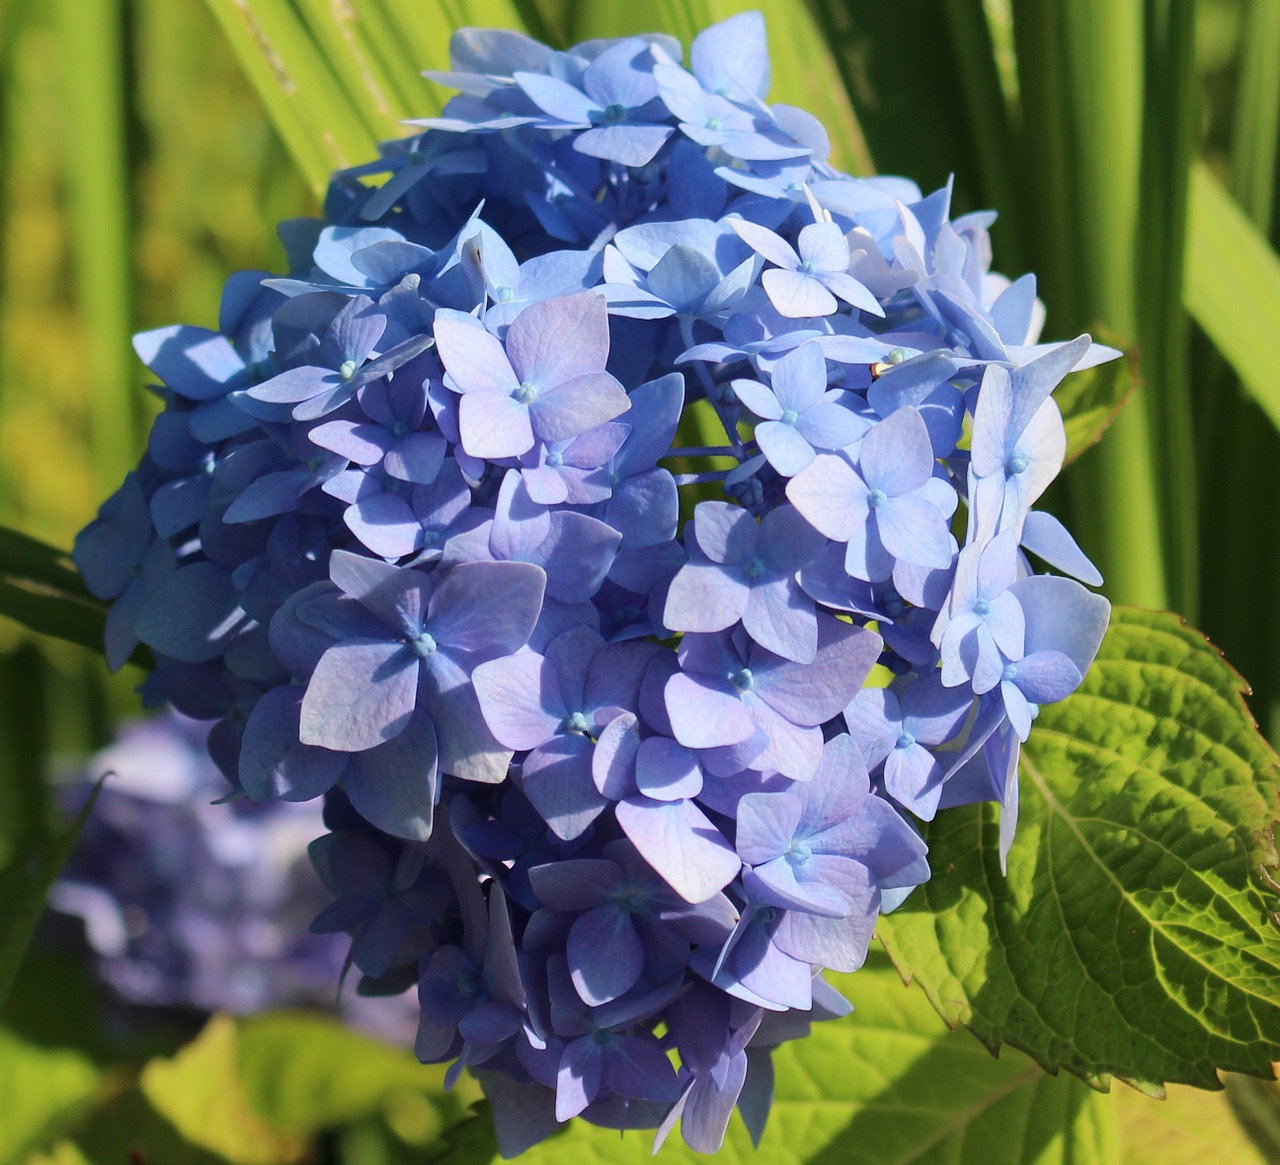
(1170, 119)
(90, 37)
(378, 91)
(426, 25)
(1256, 131)
(1231, 286)
(1080, 70)
(316, 117)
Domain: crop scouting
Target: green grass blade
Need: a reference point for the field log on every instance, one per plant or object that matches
(1232, 287)
(314, 115)
(916, 128)
(1080, 80)
(343, 33)
(974, 53)
(1257, 123)
(29, 559)
(23, 887)
(1170, 114)
(90, 36)
(424, 26)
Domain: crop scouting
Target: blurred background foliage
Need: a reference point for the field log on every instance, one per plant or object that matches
(148, 147)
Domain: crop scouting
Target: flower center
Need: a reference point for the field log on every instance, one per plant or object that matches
(423, 645)
(577, 723)
(1018, 463)
(615, 112)
(799, 852)
(754, 569)
(877, 498)
(526, 394)
(789, 417)
(1009, 674)
(906, 740)
(743, 680)
(555, 460)
(348, 369)
(504, 294)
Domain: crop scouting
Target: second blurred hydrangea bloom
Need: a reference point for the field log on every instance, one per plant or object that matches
(433, 566)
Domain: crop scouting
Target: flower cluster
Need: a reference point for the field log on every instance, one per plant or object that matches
(185, 902)
(622, 518)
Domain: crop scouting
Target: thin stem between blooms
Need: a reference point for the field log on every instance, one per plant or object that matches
(703, 451)
(708, 386)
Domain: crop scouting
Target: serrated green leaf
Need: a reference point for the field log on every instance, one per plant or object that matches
(304, 1072)
(889, 1085)
(42, 1088)
(1090, 400)
(1134, 933)
(1231, 285)
(24, 885)
(200, 1093)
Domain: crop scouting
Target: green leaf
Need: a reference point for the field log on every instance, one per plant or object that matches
(42, 591)
(43, 1089)
(23, 887)
(887, 1085)
(24, 557)
(304, 1072)
(1231, 285)
(200, 1094)
(1090, 400)
(47, 611)
(1134, 935)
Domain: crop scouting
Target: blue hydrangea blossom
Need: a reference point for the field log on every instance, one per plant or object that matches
(416, 529)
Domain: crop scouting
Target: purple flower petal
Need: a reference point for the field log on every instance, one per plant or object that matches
(361, 694)
(679, 841)
(604, 954)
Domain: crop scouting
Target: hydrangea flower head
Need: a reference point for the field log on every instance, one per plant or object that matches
(589, 707)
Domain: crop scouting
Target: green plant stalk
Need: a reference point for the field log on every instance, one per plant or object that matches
(1170, 109)
(90, 35)
(974, 53)
(1080, 78)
